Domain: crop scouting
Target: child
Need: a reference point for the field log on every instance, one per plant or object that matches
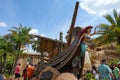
(95, 72)
(25, 73)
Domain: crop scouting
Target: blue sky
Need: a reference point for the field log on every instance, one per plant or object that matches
(49, 17)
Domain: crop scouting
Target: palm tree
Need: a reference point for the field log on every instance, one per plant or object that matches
(6, 47)
(20, 37)
(110, 32)
(36, 44)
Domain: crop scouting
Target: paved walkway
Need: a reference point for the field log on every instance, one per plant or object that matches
(12, 78)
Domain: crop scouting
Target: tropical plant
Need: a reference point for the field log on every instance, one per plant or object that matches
(6, 48)
(89, 76)
(109, 32)
(115, 61)
(20, 37)
(36, 44)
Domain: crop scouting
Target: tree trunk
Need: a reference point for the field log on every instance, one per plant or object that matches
(118, 40)
(17, 56)
(1, 64)
(5, 62)
(1, 59)
(15, 63)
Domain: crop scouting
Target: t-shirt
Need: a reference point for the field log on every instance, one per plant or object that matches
(104, 72)
(116, 72)
(17, 69)
(96, 75)
(30, 70)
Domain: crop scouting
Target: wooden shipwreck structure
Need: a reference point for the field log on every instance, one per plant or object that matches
(51, 46)
(63, 60)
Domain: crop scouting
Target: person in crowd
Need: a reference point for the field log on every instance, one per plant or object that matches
(95, 72)
(25, 73)
(17, 72)
(116, 71)
(119, 65)
(30, 71)
(1, 75)
(105, 72)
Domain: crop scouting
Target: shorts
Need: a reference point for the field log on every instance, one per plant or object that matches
(17, 75)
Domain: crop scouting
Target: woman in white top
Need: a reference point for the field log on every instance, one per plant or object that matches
(95, 72)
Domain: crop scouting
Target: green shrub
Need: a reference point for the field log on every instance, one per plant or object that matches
(89, 76)
(115, 61)
(9, 63)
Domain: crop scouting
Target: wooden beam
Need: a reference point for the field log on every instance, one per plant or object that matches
(73, 23)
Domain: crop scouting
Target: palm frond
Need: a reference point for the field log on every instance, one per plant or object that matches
(109, 18)
(118, 21)
(115, 14)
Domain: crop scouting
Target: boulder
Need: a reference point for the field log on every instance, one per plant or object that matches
(49, 72)
(67, 76)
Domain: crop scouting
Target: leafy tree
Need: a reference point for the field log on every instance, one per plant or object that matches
(20, 37)
(36, 44)
(109, 32)
(6, 48)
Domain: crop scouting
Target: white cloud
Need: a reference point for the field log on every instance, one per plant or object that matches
(100, 7)
(34, 31)
(43, 35)
(3, 24)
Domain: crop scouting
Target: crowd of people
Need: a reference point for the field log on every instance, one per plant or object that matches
(102, 72)
(105, 72)
(27, 72)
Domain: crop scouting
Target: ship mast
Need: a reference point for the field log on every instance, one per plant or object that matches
(72, 23)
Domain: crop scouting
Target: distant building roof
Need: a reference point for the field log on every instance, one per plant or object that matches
(33, 53)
